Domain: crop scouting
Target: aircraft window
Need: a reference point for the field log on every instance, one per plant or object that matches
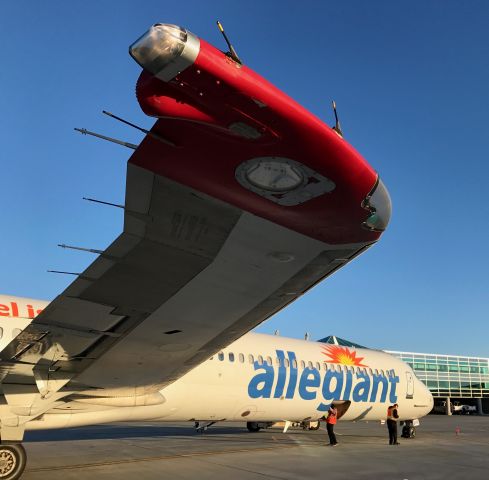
(309, 364)
(303, 364)
(376, 372)
(260, 360)
(338, 368)
(325, 366)
(294, 363)
(382, 372)
(286, 362)
(269, 361)
(278, 362)
(318, 365)
(241, 358)
(251, 358)
(220, 356)
(370, 371)
(231, 357)
(1, 332)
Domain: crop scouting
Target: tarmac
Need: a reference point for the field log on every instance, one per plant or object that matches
(444, 448)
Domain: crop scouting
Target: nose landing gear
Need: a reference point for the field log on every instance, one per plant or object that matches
(12, 461)
(408, 430)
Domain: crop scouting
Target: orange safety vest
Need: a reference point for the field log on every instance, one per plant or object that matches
(332, 417)
(390, 413)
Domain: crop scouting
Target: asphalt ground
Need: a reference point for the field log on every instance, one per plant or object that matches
(444, 448)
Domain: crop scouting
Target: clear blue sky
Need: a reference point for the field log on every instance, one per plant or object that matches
(411, 80)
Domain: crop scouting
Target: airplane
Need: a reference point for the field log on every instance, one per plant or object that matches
(238, 201)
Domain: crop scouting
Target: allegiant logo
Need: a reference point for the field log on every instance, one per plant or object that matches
(335, 385)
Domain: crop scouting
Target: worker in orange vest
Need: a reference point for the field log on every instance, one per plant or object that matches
(330, 423)
(392, 416)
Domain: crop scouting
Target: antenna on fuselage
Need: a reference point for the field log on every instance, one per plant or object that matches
(306, 336)
(232, 52)
(337, 126)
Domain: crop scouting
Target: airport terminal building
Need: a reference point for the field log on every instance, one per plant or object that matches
(450, 378)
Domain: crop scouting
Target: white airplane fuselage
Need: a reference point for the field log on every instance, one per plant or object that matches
(258, 378)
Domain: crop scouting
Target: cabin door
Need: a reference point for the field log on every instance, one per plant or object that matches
(409, 385)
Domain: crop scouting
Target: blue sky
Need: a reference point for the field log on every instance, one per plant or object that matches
(411, 83)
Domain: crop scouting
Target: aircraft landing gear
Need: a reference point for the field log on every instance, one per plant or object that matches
(198, 427)
(12, 461)
(253, 426)
(408, 430)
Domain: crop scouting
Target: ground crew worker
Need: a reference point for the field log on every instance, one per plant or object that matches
(330, 423)
(392, 416)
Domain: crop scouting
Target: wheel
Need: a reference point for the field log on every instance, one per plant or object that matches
(12, 461)
(251, 426)
(314, 426)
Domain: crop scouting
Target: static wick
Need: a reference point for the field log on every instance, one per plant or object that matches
(147, 132)
(84, 131)
(81, 249)
(103, 203)
(64, 273)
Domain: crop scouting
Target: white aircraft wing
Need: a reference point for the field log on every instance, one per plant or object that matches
(188, 275)
(222, 228)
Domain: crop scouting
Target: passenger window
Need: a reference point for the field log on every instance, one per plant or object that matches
(269, 361)
(294, 363)
(241, 358)
(338, 368)
(309, 364)
(220, 356)
(231, 357)
(251, 359)
(318, 365)
(278, 361)
(286, 362)
(325, 366)
(1, 332)
(260, 360)
(370, 371)
(303, 364)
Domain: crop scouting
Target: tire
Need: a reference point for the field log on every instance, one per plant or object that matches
(316, 427)
(12, 461)
(252, 426)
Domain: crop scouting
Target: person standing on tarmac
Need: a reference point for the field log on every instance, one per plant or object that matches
(330, 423)
(392, 416)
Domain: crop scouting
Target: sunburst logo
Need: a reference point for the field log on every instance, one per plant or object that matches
(342, 355)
